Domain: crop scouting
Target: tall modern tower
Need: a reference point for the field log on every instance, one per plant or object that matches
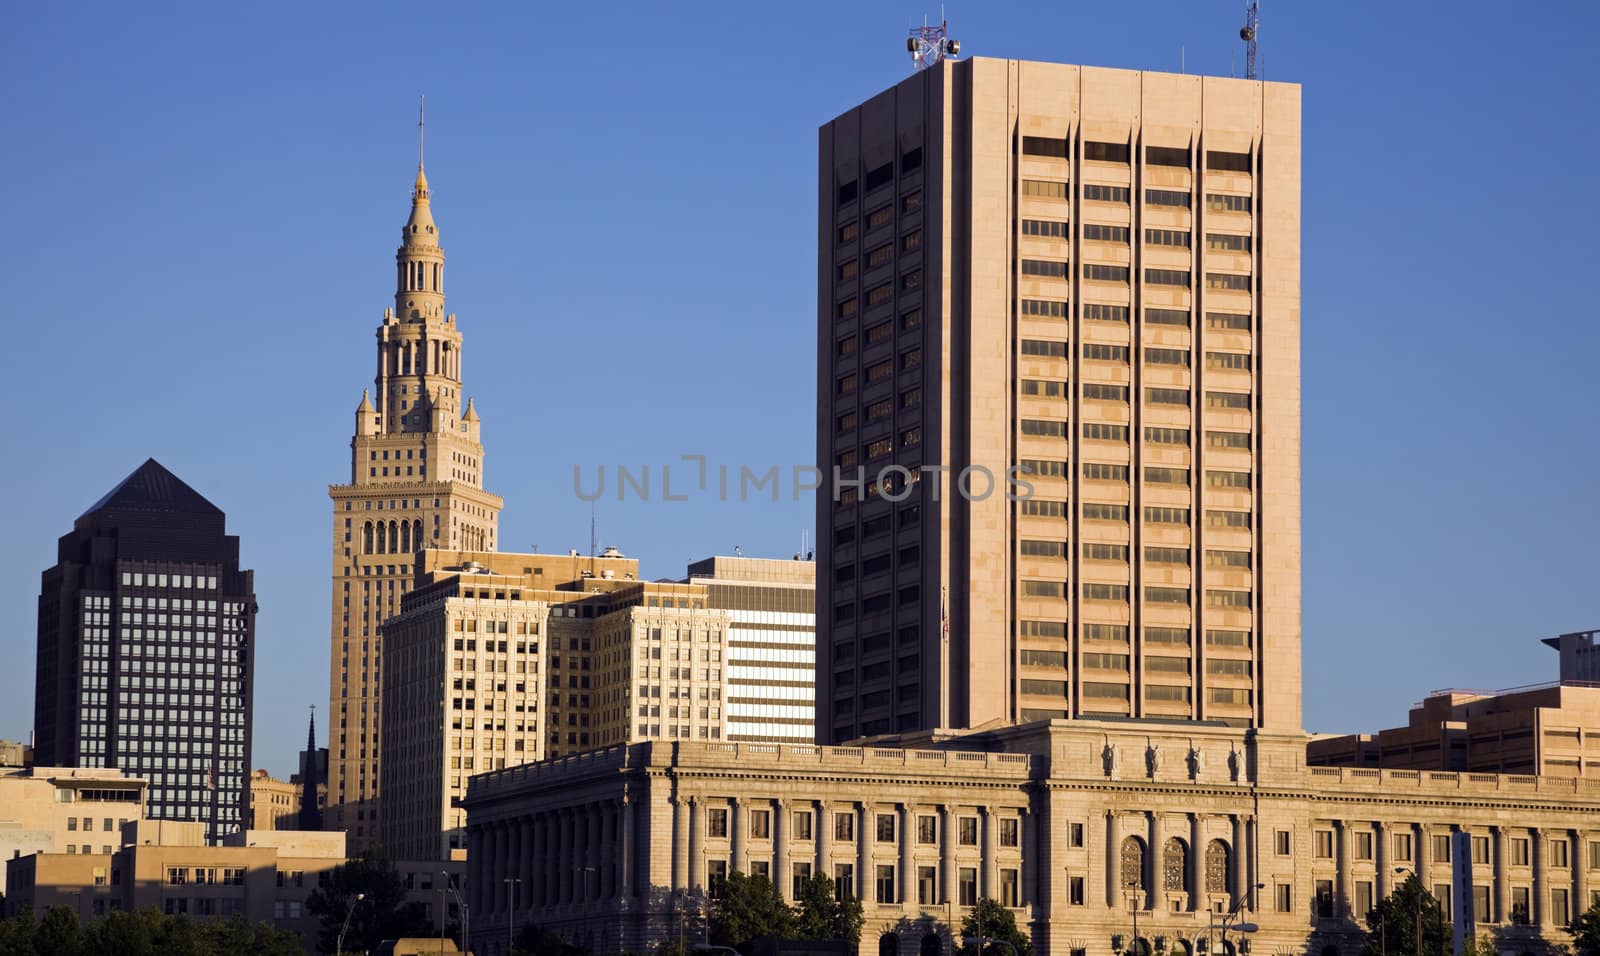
(146, 650)
(416, 481)
(1088, 278)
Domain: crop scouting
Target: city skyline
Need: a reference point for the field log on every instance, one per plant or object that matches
(273, 479)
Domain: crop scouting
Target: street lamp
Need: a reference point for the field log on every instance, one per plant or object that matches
(1230, 916)
(511, 883)
(461, 905)
(338, 947)
(982, 941)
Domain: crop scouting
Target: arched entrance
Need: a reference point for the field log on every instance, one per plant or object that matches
(888, 945)
(930, 945)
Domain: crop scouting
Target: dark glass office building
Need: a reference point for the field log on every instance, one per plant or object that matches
(146, 650)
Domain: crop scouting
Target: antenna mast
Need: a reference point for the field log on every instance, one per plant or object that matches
(420, 104)
(1247, 33)
(929, 46)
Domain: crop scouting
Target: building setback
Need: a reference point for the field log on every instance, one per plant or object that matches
(1085, 830)
(416, 481)
(500, 659)
(146, 650)
(1086, 280)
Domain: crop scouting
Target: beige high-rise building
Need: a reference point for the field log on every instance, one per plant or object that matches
(500, 659)
(1089, 280)
(416, 482)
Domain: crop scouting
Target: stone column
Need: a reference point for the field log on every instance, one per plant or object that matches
(697, 844)
(1580, 876)
(1381, 846)
(565, 821)
(908, 867)
(1541, 880)
(1236, 887)
(475, 860)
(605, 884)
(1114, 886)
(1033, 851)
(947, 853)
(626, 849)
(1500, 904)
(529, 870)
(1252, 836)
(738, 834)
(866, 835)
(1197, 855)
(589, 861)
(1154, 866)
(513, 861)
(549, 879)
(492, 867)
(1422, 853)
(1341, 858)
(988, 884)
(782, 868)
(680, 843)
(824, 832)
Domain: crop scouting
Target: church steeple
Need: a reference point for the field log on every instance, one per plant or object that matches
(310, 812)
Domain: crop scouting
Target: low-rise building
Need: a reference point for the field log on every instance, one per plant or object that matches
(1089, 831)
(1547, 730)
(75, 811)
(266, 875)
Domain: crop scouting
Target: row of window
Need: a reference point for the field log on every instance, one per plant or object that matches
(1058, 309)
(885, 827)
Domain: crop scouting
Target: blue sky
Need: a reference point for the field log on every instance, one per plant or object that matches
(203, 203)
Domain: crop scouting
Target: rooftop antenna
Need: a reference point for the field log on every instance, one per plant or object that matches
(420, 105)
(929, 46)
(1247, 33)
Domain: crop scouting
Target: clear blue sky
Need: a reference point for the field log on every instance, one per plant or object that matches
(202, 206)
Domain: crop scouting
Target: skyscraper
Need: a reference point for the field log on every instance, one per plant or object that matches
(416, 481)
(146, 650)
(1087, 280)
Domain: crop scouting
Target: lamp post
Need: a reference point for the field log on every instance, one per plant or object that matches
(1229, 917)
(982, 941)
(338, 946)
(461, 905)
(1416, 939)
(511, 883)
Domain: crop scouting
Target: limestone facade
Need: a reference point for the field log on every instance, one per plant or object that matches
(274, 803)
(1083, 828)
(66, 810)
(416, 481)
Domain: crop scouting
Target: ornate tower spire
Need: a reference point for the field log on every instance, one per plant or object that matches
(310, 813)
(419, 288)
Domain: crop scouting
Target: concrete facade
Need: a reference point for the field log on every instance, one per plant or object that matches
(1580, 655)
(1072, 824)
(274, 803)
(66, 810)
(499, 659)
(416, 481)
(1087, 279)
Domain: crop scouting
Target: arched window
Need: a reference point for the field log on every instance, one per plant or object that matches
(416, 535)
(1132, 874)
(405, 537)
(1175, 866)
(394, 537)
(888, 945)
(383, 538)
(366, 538)
(1216, 867)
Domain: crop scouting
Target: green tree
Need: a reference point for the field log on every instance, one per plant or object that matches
(749, 908)
(673, 945)
(238, 935)
(126, 933)
(820, 914)
(1586, 932)
(991, 920)
(16, 934)
(59, 933)
(1407, 923)
(381, 913)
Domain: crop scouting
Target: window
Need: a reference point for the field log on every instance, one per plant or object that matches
(1441, 892)
(1218, 202)
(1226, 243)
(761, 824)
(1041, 508)
(1046, 228)
(1033, 386)
(967, 831)
(1227, 281)
(1480, 904)
(1098, 511)
(849, 270)
(1322, 905)
(1044, 146)
(1402, 846)
(1105, 592)
(1234, 163)
(1167, 237)
(927, 829)
(848, 231)
(1010, 887)
(1441, 848)
(1045, 308)
(1106, 313)
(1159, 595)
(1521, 911)
(1228, 519)
(1102, 233)
(1227, 322)
(1235, 559)
(1324, 844)
(880, 256)
(1051, 659)
(1155, 514)
(1101, 273)
(1043, 468)
(1282, 844)
(1009, 832)
(1167, 396)
(1166, 476)
(911, 202)
(1044, 189)
(1177, 317)
(1044, 429)
(1167, 556)
(1042, 549)
(884, 827)
(1100, 471)
(1101, 431)
(1105, 393)
(1048, 268)
(1166, 197)
(911, 241)
(1075, 893)
(880, 216)
(1177, 357)
(1106, 152)
(1241, 601)
(883, 884)
(844, 827)
(967, 886)
(1167, 156)
(927, 885)
(1363, 899)
(802, 825)
(1044, 347)
(1283, 896)
(1178, 277)
(844, 881)
(847, 192)
(799, 875)
(911, 320)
